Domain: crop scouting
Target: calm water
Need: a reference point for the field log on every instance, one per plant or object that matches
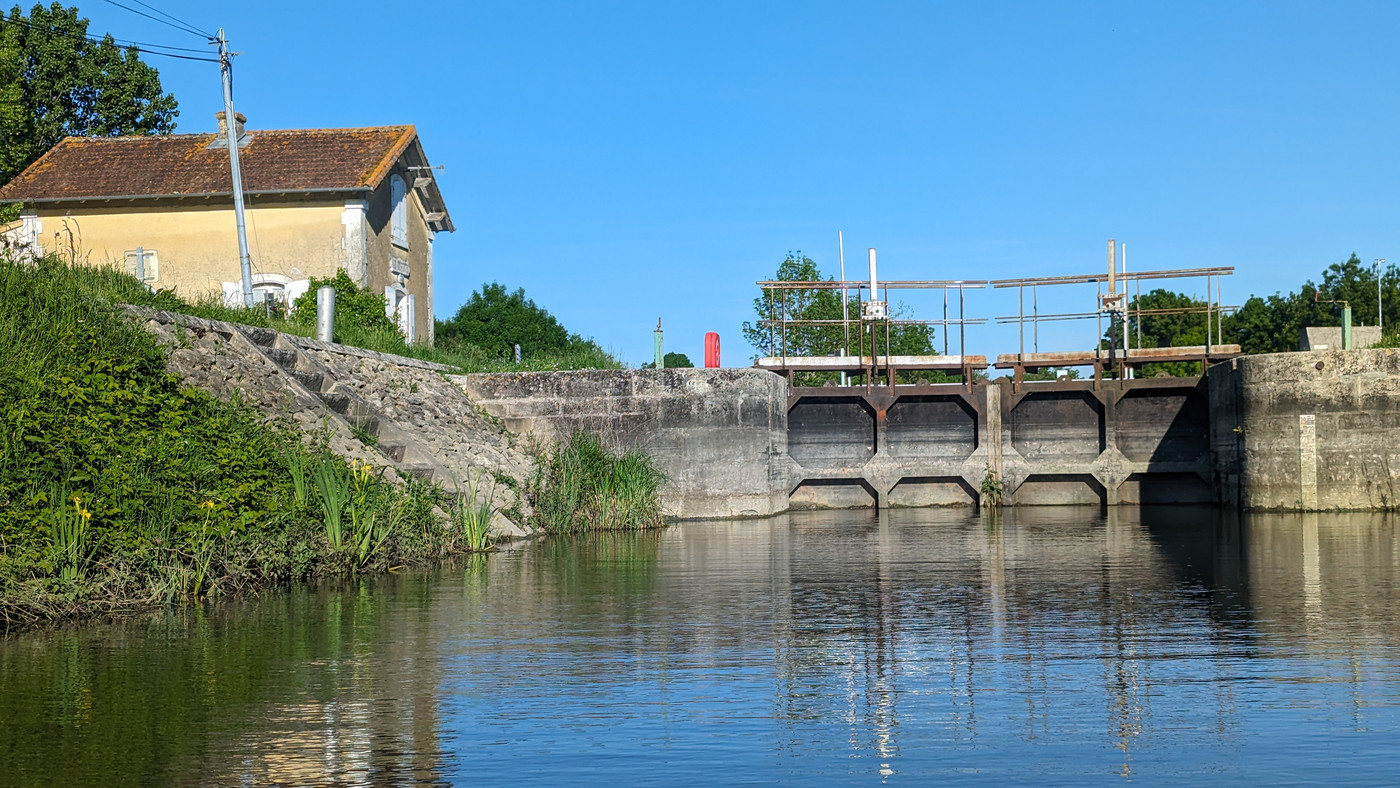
(1051, 646)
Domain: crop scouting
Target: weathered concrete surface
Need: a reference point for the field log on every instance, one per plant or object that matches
(422, 426)
(1077, 442)
(1312, 431)
(719, 434)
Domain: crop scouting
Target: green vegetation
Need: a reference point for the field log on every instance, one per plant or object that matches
(826, 340)
(579, 485)
(120, 487)
(494, 321)
(356, 308)
(1266, 324)
(57, 81)
(672, 361)
(991, 488)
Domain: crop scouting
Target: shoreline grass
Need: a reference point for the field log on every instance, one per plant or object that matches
(123, 489)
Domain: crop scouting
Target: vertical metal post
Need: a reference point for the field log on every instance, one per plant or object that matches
(1380, 299)
(845, 304)
(231, 134)
(1123, 260)
(962, 326)
(325, 314)
(660, 359)
(1035, 319)
(1346, 326)
(782, 328)
(517, 352)
(1021, 319)
(945, 320)
(772, 322)
(1208, 314)
(1220, 312)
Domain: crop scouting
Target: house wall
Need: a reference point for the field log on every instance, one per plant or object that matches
(197, 245)
(381, 249)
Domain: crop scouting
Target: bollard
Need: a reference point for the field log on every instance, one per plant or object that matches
(325, 314)
(711, 350)
(517, 353)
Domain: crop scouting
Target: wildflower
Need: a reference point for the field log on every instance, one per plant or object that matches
(85, 514)
(207, 505)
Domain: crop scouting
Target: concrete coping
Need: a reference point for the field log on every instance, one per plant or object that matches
(306, 343)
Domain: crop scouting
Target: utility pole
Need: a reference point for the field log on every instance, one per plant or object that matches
(1380, 305)
(231, 133)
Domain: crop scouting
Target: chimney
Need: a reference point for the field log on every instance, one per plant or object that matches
(238, 121)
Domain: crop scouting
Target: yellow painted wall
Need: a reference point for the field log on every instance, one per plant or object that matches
(197, 243)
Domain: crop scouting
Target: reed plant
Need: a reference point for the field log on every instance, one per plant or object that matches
(71, 536)
(333, 492)
(581, 485)
(472, 512)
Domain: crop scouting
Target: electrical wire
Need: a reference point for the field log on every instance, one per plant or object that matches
(149, 49)
(173, 18)
(181, 26)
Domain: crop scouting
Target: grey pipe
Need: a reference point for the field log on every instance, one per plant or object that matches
(325, 314)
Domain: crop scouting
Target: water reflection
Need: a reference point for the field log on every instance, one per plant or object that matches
(1052, 643)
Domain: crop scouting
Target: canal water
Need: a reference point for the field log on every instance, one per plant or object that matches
(1052, 645)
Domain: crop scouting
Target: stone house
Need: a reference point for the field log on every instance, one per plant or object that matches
(317, 200)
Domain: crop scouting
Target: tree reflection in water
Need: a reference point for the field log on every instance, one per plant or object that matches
(1033, 642)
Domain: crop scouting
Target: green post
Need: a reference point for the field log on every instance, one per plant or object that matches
(660, 362)
(1346, 327)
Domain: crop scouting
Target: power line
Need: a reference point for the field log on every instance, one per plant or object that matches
(149, 49)
(181, 26)
(173, 18)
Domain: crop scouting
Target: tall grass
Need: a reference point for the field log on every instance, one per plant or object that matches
(471, 515)
(120, 487)
(580, 485)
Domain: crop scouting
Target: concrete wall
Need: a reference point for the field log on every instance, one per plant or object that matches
(719, 434)
(1077, 442)
(1307, 431)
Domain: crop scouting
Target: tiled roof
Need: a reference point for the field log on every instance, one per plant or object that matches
(184, 164)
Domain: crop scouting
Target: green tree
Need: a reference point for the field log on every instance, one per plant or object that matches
(56, 82)
(1272, 324)
(672, 361)
(823, 340)
(496, 320)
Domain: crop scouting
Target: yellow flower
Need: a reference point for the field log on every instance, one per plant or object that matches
(85, 514)
(207, 505)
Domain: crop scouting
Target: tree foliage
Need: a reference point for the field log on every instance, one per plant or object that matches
(355, 306)
(1265, 324)
(672, 361)
(823, 340)
(496, 320)
(55, 82)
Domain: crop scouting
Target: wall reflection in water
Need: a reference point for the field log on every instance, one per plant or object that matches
(1034, 642)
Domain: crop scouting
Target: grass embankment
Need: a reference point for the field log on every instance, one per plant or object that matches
(120, 488)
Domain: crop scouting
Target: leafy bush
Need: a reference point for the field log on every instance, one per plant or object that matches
(355, 307)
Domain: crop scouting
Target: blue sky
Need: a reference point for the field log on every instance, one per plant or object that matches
(629, 161)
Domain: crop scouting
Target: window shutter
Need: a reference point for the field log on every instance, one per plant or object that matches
(399, 194)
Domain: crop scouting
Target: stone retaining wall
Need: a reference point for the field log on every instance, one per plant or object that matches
(720, 435)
